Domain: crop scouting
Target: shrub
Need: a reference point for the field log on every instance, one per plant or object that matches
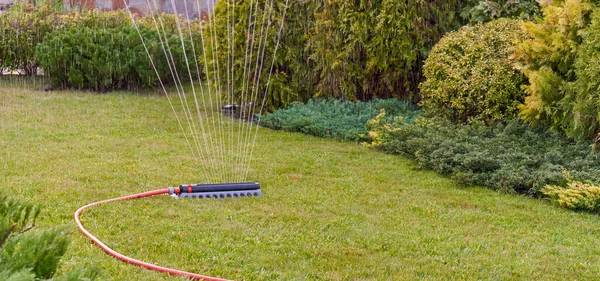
(31, 256)
(111, 55)
(469, 73)
(582, 97)
(21, 29)
(475, 11)
(249, 52)
(334, 119)
(548, 60)
(375, 48)
(576, 196)
(353, 50)
(508, 156)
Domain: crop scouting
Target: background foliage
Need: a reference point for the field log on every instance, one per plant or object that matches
(582, 99)
(346, 50)
(21, 30)
(251, 34)
(365, 49)
(475, 11)
(469, 73)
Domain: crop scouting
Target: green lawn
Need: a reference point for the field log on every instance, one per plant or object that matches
(331, 210)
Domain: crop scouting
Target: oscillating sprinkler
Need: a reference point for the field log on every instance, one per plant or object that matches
(217, 190)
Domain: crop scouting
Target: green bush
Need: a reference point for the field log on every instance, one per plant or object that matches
(582, 98)
(247, 51)
(334, 119)
(475, 11)
(112, 56)
(21, 29)
(376, 48)
(469, 73)
(508, 156)
(576, 196)
(31, 256)
(548, 59)
(353, 50)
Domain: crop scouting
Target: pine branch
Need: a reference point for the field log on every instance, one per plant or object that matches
(10, 230)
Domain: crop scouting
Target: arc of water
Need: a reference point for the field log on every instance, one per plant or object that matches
(162, 84)
(215, 143)
(267, 87)
(256, 79)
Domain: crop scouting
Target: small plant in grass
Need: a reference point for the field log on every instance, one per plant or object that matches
(31, 256)
(576, 196)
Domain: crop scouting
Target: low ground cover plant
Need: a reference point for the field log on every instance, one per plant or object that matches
(334, 119)
(508, 156)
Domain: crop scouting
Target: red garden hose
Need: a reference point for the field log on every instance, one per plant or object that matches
(128, 259)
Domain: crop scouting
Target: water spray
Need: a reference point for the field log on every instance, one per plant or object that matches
(199, 133)
(205, 191)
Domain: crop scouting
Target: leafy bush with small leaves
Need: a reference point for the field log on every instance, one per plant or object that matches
(21, 29)
(508, 156)
(334, 119)
(469, 73)
(475, 11)
(576, 196)
(108, 58)
(26, 256)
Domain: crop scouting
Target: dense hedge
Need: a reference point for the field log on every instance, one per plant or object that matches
(353, 50)
(469, 73)
(21, 29)
(508, 156)
(375, 48)
(247, 51)
(108, 58)
(103, 51)
(334, 119)
(97, 50)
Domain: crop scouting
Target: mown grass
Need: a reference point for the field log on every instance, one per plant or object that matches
(331, 210)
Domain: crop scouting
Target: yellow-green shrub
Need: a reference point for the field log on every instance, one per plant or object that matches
(469, 73)
(550, 59)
